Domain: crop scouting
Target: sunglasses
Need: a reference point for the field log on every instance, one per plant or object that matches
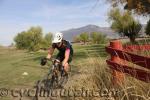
(58, 43)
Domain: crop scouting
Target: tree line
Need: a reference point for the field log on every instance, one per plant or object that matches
(93, 37)
(33, 39)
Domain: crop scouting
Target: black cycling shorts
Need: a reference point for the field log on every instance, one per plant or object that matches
(60, 56)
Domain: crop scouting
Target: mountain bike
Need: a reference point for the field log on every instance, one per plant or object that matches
(55, 79)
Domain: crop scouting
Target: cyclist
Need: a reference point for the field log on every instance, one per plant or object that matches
(65, 51)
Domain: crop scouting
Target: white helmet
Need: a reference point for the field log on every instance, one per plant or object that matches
(57, 37)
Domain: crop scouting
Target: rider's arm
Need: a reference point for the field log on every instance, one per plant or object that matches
(67, 54)
(50, 52)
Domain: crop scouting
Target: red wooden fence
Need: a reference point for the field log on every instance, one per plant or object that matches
(145, 47)
(119, 60)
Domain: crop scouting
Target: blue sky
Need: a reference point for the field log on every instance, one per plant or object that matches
(51, 15)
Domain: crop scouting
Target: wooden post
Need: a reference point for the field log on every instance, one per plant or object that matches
(118, 77)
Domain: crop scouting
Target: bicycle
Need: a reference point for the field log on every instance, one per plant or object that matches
(55, 78)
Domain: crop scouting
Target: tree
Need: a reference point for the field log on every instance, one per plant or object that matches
(124, 24)
(20, 40)
(30, 39)
(98, 37)
(84, 37)
(139, 6)
(35, 38)
(147, 28)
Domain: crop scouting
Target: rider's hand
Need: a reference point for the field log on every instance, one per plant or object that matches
(43, 61)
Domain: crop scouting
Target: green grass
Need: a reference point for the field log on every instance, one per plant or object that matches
(14, 62)
(89, 70)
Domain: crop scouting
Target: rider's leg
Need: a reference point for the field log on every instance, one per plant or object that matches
(66, 68)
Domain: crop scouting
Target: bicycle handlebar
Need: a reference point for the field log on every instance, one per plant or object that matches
(44, 60)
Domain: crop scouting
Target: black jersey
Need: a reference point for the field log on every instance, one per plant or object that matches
(65, 45)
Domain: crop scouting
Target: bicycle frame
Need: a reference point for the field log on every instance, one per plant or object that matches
(56, 71)
(51, 80)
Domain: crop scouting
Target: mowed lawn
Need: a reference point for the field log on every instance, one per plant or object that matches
(13, 63)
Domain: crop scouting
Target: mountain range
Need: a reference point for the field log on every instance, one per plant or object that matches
(70, 33)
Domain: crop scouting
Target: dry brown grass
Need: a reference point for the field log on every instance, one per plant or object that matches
(131, 89)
